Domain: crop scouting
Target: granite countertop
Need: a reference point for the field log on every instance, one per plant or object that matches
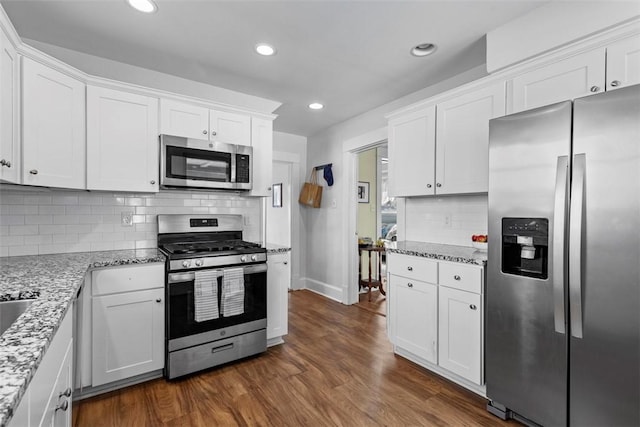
(273, 248)
(53, 280)
(462, 254)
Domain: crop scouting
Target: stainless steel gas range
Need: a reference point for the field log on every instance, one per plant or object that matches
(216, 292)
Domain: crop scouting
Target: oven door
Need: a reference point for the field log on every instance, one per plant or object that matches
(197, 163)
(182, 328)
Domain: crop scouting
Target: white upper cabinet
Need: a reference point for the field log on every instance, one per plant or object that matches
(462, 140)
(412, 140)
(53, 127)
(180, 119)
(623, 63)
(122, 141)
(191, 121)
(262, 143)
(570, 78)
(230, 128)
(9, 140)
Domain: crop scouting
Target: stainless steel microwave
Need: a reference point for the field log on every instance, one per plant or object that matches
(195, 163)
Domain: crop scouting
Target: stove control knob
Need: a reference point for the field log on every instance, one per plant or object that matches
(254, 257)
(199, 263)
(186, 263)
(243, 258)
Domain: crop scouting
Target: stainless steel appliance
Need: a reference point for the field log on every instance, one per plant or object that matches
(216, 292)
(563, 288)
(194, 163)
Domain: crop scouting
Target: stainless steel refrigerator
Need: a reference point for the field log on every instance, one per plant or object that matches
(563, 285)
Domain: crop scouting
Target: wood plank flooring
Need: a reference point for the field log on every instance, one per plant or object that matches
(336, 368)
(377, 305)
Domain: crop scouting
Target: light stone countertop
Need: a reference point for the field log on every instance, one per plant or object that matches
(453, 253)
(54, 281)
(273, 248)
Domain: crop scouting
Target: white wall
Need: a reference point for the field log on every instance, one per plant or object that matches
(55, 221)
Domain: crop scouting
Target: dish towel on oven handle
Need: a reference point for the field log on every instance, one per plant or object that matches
(205, 295)
(232, 301)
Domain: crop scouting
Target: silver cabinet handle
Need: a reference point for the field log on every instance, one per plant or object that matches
(594, 89)
(559, 221)
(65, 393)
(456, 277)
(213, 132)
(6, 163)
(158, 299)
(63, 406)
(473, 307)
(428, 185)
(615, 83)
(153, 182)
(410, 268)
(410, 285)
(204, 132)
(33, 171)
(438, 185)
(576, 228)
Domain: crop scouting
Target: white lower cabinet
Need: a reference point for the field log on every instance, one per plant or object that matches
(436, 316)
(460, 333)
(414, 316)
(278, 281)
(47, 401)
(127, 322)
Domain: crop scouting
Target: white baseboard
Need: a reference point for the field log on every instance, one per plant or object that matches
(324, 289)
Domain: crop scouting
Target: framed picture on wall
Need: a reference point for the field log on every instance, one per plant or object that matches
(276, 195)
(363, 192)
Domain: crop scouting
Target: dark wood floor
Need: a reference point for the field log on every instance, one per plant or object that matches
(377, 305)
(336, 368)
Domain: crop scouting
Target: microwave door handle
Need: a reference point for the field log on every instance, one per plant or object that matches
(234, 166)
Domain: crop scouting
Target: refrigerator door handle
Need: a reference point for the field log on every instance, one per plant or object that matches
(559, 221)
(576, 230)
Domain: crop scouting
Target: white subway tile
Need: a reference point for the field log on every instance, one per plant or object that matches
(52, 229)
(138, 219)
(124, 245)
(4, 230)
(101, 246)
(113, 237)
(65, 219)
(11, 199)
(78, 229)
(103, 228)
(90, 200)
(90, 237)
(103, 210)
(78, 209)
(23, 209)
(37, 200)
(64, 200)
(79, 247)
(23, 250)
(39, 239)
(134, 201)
(38, 219)
(24, 230)
(4, 251)
(12, 240)
(55, 248)
(11, 219)
(144, 244)
(64, 238)
(89, 219)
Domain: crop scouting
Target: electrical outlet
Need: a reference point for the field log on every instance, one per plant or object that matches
(447, 220)
(126, 219)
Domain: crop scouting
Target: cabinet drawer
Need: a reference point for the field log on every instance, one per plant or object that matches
(414, 267)
(460, 276)
(414, 285)
(113, 280)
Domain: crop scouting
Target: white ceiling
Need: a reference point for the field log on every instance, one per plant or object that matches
(350, 55)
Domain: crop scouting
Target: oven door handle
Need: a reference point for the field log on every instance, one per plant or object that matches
(191, 275)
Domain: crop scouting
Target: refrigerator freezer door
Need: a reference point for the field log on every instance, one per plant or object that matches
(605, 361)
(526, 359)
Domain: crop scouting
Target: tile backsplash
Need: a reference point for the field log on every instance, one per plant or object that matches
(55, 221)
(448, 220)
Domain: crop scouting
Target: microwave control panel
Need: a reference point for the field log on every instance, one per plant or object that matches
(243, 168)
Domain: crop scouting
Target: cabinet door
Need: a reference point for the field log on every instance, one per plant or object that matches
(230, 128)
(460, 333)
(462, 140)
(262, 143)
(570, 78)
(623, 63)
(9, 140)
(128, 335)
(53, 125)
(412, 142)
(58, 412)
(278, 280)
(190, 121)
(414, 322)
(122, 141)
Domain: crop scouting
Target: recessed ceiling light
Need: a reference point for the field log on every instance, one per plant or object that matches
(265, 49)
(316, 106)
(146, 6)
(423, 49)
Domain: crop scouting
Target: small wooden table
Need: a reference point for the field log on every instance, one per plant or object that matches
(371, 283)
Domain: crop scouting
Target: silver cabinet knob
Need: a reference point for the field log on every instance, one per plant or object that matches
(594, 89)
(456, 277)
(65, 393)
(63, 406)
(410, 285)
(615, 83)
(33, 171)
(213, 132)
(410, 268)
(153, 182)
(158, 299)
(428, 185)
(286, 262)
(473, 307)
(204, 132)
(6, 163)
(438, 185)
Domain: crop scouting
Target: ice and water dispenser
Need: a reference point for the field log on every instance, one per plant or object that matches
(525, 246)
